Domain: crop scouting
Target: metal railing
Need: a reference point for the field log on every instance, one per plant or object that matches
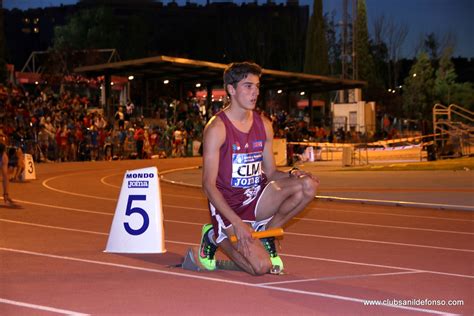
(453, 130)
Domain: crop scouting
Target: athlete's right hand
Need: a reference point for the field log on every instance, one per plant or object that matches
(243, 232)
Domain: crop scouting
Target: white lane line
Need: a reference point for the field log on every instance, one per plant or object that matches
(41, 307)
(380, 242)
(282, 254)
(399, 203)
(344, 277)
(193, 276)
(287, 233)
(308, 208)
(45, 184)
(321, 209)
(299, 218)
(343, 199)
(384, 226)
(63, 208)
(299, 234)
(103, 180)
(206, 210)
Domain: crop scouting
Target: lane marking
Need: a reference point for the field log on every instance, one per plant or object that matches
(344, 277)
(380, 242)
(287, 233)
(200, 277)
(401, 203)
(343, 199)
(293, 233)
(282, 254)
(319, 209)
(384, 226)
(398, 203)
(41, 307)
(299, 218)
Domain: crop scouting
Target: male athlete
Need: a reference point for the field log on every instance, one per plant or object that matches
(246, 192)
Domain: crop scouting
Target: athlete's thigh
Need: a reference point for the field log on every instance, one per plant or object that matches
(274, 194)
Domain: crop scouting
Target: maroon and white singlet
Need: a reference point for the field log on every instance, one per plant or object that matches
(240, 178)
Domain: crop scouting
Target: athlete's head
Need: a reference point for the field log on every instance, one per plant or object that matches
(235, 72)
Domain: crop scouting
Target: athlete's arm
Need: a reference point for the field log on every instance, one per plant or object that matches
(269, 165)
(214, 138)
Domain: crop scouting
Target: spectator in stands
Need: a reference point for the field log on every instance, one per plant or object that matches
(139, 137)
(120, 117)
(129, 109)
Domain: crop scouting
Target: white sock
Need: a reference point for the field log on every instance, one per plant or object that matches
(210, 235)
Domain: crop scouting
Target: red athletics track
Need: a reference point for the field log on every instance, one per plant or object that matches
(336, 255)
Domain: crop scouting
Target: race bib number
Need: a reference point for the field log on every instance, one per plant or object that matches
(246, 169)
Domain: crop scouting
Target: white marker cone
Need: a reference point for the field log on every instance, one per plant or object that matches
(137, 226)
(30, 172)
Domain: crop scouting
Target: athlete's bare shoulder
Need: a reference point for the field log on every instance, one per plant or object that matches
(215, 124)
(268, 125)
(214, 132)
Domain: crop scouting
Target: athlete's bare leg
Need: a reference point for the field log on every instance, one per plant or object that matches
(285, 198)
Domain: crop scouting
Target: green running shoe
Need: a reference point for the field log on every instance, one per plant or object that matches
(269, 244)
(207, 249)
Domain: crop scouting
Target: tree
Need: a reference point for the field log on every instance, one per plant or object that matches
(418, 89)
(334, 44)
(446, 89)
(445, 80)
(89, 29)
(390, 34)
(316, 54)
(435, 45)
(364, 62)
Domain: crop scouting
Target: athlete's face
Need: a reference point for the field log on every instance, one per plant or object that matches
(246, 93)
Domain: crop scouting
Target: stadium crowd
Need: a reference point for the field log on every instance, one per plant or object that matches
(68, 127)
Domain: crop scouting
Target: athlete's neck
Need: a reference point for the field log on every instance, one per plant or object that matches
(237, 114)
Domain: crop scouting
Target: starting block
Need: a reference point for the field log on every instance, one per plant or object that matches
(190, 263)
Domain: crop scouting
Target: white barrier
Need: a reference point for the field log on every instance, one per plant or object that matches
(137, 226)
(279, 151)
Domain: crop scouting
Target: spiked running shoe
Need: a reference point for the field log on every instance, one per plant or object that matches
(207, 249)
(269, 244)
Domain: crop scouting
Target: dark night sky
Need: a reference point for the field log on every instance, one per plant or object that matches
(422, 17)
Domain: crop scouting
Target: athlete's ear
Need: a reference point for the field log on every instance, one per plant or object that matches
(231, 89)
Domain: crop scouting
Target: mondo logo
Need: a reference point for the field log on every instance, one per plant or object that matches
(140, 175)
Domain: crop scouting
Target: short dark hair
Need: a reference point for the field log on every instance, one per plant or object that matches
(235, 72)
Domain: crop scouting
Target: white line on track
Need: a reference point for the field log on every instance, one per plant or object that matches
(344, 277)
(384, 226)
(321, 209)
(103, 180)
(299, 218)
(192, 276)
(380, 242)
(282, 254)
(287, 233)
(41, 307)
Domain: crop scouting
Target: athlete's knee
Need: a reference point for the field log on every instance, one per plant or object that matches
(310, 187)
(262, 267)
